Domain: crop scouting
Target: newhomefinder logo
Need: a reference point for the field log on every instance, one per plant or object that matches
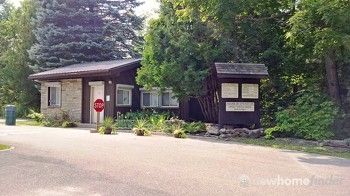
(246, 181)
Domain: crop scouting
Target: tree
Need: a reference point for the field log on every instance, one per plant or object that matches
(178, 54)
(16, 38)
(82, 31)
(189, 36)
(320, 29)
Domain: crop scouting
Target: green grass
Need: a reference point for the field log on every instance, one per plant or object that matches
(292, 145)
(4, 147)
(21, 122)
(28, 123)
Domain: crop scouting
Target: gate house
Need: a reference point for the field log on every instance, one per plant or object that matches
(74, 89)
(239, 103)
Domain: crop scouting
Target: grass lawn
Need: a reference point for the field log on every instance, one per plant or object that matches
(289, 144)
(23, 122)
(28, 123)
(4, 147)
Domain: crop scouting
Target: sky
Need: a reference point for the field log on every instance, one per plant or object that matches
(148, 9)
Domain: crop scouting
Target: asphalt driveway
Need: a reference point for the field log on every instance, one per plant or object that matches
(50, 161)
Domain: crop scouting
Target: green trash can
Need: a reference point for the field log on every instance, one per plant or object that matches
(10, 115)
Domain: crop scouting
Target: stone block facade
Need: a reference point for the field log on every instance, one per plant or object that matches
(71, 99)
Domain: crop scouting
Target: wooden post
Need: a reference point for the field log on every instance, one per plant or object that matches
(98, 121)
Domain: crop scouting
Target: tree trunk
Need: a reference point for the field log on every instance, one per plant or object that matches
(209, 103)
(332, 77)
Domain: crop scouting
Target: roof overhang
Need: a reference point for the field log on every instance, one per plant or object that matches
(241, 70)
(96, 71)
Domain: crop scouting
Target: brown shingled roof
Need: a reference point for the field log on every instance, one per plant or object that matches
(241, 70)
(86, 69)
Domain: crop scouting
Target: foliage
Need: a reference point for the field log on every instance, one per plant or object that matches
(38, 117)
(157, 122)
(124, 123)
(16, 38)
(61, 119)
(51, 122)
(69, 124)
(179, 133)
(107, 126)
(140, 128)
(69, 32)
(320, 35)
(4, 147)
(310, 118)
(182, 45)
(194, 127)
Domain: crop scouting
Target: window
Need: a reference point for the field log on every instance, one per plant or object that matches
(155, 99)
(124, 95)
(168, 100)
(54, 95)
(149, 99)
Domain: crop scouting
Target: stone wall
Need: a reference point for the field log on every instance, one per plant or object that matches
(71, 99)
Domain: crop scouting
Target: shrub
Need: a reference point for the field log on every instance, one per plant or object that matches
(310, 118)
(194, 127)
(157, 122)
(37, 117)
(69, 124)
(179, 133)
(61, 119)
(124, 123)
(140, 128)
(50, 122)
(107, 126)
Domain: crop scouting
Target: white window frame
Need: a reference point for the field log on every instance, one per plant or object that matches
(150, 92)
(58, 94)
(124, 87)
(171, 94)
(158, 97)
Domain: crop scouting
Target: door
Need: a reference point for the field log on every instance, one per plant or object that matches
(97, 92)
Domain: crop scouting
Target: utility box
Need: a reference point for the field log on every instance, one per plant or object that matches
(239, 92)
(10, 115)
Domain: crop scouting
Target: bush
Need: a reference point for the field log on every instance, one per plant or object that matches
(157, 122)
(69, 124)
(179, 133)
(51, 122)
(124, 123)
(61, 119)
(140, 128)
(107, 126)
(310, 118)
(194, 127)
(37, 117)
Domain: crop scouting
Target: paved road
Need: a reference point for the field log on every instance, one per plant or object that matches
(48, 161)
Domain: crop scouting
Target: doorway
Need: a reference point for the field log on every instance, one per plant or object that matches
(96, 92)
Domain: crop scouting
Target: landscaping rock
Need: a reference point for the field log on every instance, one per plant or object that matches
(230, 132)
(256, 133)
(337, 143)
(223, 131)
(223, 136)
(213, 130)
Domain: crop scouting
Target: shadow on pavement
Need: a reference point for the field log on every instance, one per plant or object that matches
(324, 160)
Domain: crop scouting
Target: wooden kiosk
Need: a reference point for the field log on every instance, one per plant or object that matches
(239, 103)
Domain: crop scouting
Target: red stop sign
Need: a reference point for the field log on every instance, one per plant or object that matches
(99, 105)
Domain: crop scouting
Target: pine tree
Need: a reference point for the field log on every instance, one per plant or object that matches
(73, 31)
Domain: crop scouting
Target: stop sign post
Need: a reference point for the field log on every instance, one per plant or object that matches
(99, 106)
